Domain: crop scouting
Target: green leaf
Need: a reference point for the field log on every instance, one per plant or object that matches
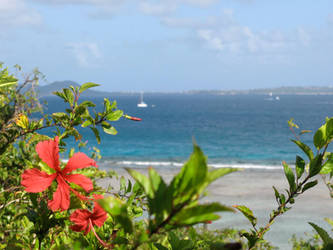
(290, 176)
(158, 246)
(328, 166)
(277, 195)
(79, 110)
(192, 176)
(143, 181)
(217, 173)
(122, 183)
(199, 213)
(300, 165)
(247, 213)
(60, 94)
(36, 247)
(252, 239)
(111, 130)
(115, 115)
(161, 202)
(107, 105)
(155, 180)
(320, 137)
(46, 168)
(88, 104)
(324, 134)
(86, 123)
(309, 185)
(117, 209)
(291, 123)
(60, 115)
(322, 233)
(129, 186)
(315, 165)
(329, 128)
(96, 133)
(177, 243)
(305, 132)
(69, 96)
(282, 198)
(87, 85)
(305, 148)
(7, 84)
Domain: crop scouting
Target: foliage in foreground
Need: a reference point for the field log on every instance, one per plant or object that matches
(47, 203)
(300, 180)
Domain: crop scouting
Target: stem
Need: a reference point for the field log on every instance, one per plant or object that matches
(280, 210)
(11, 189)
(99, 239)
(166, 221)
(162, 224)
(293, 131)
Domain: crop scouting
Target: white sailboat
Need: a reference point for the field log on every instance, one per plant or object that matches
(142, 104)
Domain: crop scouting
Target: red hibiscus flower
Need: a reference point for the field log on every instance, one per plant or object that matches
(36, 181)
(85, 220)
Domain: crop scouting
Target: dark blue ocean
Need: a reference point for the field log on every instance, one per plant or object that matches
(249, 131)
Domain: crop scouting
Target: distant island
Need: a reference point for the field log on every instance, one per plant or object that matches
(323, 90)
(47, 90)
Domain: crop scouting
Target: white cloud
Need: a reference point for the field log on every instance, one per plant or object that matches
(180, 22)
(87, 54)
(225, 34)
(164, 7)
(200, 2)
(90, 2)
(100, 9)
(212, 41)
(105, 8)
(17, 13)
(225, 19)
(159, 9)
(241, 39)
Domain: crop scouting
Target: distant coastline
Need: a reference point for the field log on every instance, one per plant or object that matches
(322, 90)
(47, 90)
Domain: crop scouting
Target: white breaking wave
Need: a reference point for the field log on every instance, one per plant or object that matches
(246, 166)
(179, 164)
(150, 163)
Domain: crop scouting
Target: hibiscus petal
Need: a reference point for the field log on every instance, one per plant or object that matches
(81, 219)
(80, 215)
(78, 228)
(99, 216)
(48, 151)
(98, 196)
(60, 196)
(36, 181)
(78, 160)
(87, 229)
(80, 180)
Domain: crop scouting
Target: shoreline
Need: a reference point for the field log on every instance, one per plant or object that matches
(253, 188)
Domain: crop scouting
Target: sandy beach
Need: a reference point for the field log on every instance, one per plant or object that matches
(253, 188)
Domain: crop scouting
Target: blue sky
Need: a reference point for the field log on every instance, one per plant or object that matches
(171, 45)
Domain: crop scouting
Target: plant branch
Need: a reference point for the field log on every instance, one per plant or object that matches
(280, 209)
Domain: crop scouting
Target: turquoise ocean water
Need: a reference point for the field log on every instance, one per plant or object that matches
(247, 131)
